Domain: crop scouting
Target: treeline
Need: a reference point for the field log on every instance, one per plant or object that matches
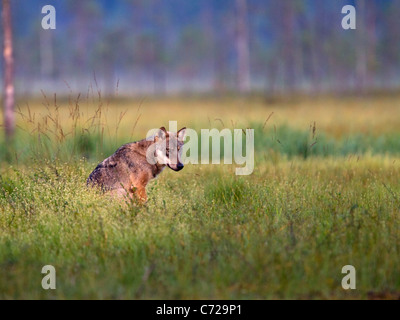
(167, 46)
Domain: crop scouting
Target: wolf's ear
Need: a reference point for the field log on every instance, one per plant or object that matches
(182, 134)
(161, 134)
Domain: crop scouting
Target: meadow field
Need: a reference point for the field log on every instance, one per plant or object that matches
(325, 193)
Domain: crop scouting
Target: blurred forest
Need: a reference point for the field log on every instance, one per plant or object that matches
(213, 46)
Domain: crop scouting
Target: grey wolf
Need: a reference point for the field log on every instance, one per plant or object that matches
(133, 165)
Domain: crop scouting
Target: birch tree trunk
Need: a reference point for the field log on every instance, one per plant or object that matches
(8, 92)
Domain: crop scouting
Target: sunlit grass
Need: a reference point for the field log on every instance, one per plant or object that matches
(332, 115)
(283, 233)
(316, 201)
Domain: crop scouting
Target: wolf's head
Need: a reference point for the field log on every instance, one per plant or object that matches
(169, 148)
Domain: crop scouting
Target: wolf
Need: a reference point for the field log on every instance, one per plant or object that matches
(133, 165)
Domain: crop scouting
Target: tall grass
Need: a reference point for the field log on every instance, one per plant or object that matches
(284, 233)
(309, 208)
(81, 128)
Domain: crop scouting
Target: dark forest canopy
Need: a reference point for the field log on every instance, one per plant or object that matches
(159, 46)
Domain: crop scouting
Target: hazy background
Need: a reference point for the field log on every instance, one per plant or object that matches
(178, 46)
(325, 108)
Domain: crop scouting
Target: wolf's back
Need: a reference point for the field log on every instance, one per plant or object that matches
(112, 172)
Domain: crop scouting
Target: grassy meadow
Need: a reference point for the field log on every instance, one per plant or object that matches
(325, 193)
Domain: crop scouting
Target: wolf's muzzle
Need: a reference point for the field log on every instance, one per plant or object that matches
(178, 167)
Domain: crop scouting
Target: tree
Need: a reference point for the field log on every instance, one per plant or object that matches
(361, 51)
(366, 44)
(290, 50)
(242, 47)
(46, 50)
(372, 39)
(84, 31)
(8, 93)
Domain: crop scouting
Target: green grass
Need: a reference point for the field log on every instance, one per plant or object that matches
(283, 140)
(285, 231)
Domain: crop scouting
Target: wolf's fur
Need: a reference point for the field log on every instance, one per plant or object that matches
(127, 171)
